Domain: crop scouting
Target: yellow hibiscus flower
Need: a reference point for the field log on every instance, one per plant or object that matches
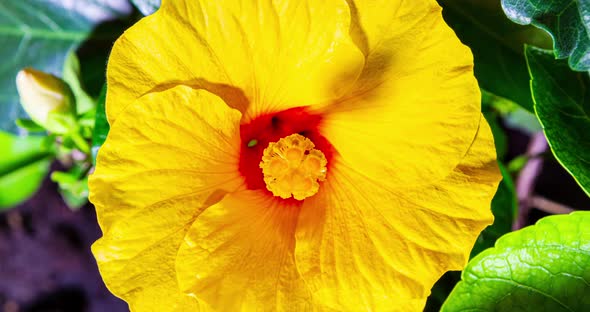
(290, 155)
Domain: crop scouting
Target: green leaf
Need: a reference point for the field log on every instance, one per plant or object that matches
(29, 125)
(545, 267)
(568, 22)
(497, 46)
(73, 186)
(500, 138)
(504, 207)
(441, 290)
(523, 120)
(75, 196)
(79, 141)
(23, 165)
(18, 151)
(101, 127)
(71, 75)
(492, 116)
(513, 115)
(562, 104)
(87, 120)
(18, 185)
(40, 34)
(516, 164)
(147, 7)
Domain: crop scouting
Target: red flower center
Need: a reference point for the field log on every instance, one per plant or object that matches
(262, 130)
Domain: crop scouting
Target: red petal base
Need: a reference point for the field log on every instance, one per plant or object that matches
(264, 129)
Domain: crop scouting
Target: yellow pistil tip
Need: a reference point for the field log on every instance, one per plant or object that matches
(292, 167)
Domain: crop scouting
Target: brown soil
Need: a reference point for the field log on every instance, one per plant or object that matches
(45, 259)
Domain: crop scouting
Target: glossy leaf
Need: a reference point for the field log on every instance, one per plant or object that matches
(497, 46)
(568, 22)
(40, 34)
(545, 267)
(562, 104)
(101, 126)
(23, 165)
(147, 7)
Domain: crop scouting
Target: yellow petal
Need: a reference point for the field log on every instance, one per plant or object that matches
(167, 157)
(369, 247)
(415, 108)
(136, 258)
(238, 256)
(280, 53)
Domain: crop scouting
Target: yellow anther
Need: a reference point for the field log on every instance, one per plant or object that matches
(292, 167)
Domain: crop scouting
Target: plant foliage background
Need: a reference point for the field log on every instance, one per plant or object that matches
(532, 59)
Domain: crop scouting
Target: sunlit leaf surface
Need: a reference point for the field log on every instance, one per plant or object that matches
(545, 267)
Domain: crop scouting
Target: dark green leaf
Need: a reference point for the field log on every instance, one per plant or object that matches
(93, 54)
(147, 7)
(500, 138)
(562, 104)
(493, 116)
(23, 165)
(545, 267)
(568, 22)
(40, 34)
(513, 115)
(101, 127)
(497, 46)
(441, 290)
(504, 207)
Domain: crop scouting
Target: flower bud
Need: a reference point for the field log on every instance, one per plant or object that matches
(47, 99)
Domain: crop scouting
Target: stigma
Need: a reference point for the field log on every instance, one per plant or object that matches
(292, 167)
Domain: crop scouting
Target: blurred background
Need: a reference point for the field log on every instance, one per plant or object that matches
(46, 222)
(46, 226)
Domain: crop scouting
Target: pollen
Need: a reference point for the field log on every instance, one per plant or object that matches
(292, 167)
